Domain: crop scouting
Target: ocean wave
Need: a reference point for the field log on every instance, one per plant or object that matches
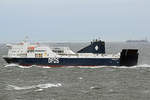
(24, 66)
(39, 86)
(43, 66)
(93, 66)
(16, 65)
(137, 66)
(11, 65)
(132, 67)
(143, 65)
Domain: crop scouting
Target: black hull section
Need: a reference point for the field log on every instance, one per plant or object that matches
(129, 57)
(54, 62)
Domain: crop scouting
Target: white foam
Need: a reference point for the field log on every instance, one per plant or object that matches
(143, 65)
(38, 90)
(24, 66)
(68, 66)
(137, 66)
(80, 78)
(40, 86)
(89, 66)
(123, 67)
(16, 65)
(95, 66)
(14, 87)
(43, 66)
(48, 85)
(11, 65)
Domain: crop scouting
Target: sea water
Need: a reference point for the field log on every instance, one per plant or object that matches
(78, 83)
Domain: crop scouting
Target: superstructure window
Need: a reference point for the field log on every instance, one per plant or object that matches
(40, 50)
(58, 51)
(30, 51)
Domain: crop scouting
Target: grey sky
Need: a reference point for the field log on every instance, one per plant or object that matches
(74, 20)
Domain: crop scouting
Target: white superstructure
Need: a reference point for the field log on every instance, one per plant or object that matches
(27, 50)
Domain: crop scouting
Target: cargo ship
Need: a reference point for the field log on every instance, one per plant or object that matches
(27, 54)
(138, 41)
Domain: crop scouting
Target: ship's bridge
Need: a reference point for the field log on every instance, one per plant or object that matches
(40, 52)
(18, 50)
(26, 49)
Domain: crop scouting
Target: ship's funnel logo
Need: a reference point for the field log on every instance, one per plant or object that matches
(96, 48)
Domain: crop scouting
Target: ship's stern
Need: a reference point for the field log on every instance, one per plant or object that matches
(129, 57)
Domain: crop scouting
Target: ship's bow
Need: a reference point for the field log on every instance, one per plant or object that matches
(8, 59)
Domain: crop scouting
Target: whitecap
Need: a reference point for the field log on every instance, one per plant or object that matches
(43, 66)
(80, 78)
(48, 85)
(40, 86)
(11, 65)
(24, 66)
(95, 88)
(69, 66)
(38, 90)
(124, 67)
(143, 65)
(137, 66)
(14, 87)
(92, 66)
(17, 65)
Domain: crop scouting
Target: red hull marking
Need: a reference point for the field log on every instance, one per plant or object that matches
(57, 65)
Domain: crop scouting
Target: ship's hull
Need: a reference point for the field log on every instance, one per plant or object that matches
(128, 57)
(58, 62)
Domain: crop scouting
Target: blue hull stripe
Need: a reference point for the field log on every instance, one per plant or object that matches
(65, 61)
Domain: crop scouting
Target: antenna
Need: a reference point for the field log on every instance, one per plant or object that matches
(26, 39)
(99, 38)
